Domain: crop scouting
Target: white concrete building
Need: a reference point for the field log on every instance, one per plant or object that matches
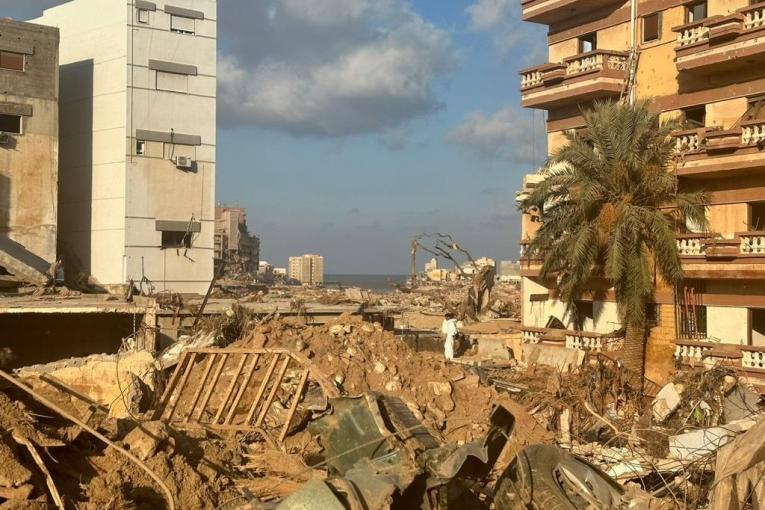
(137, 159)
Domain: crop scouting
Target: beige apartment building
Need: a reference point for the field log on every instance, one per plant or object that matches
(308, 269)
(703, 61)
(137, 124)
(234, 245)
(28, 149)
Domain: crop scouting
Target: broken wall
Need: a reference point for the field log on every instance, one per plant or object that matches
(29, 158)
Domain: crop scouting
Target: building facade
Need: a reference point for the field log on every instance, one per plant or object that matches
(137, 159)
(234, 244)
(702, 62)
(29, 142)
(308, 269)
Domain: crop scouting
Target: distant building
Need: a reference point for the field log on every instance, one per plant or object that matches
(29, 145)
(137, 158)
(265, 272)
(431, 265)
(308, 269)
(470, 269)
(509, 271)
(234, 244)
(280, 271)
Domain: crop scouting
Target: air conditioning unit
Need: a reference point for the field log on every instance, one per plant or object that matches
(4, 138)
(184, 162)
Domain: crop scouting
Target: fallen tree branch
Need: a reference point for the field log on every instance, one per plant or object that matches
(40, 464)
(47, 403)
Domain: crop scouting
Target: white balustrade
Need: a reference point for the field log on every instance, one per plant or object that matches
(753, 133)
(693, 353)
(585, 342)
(529, 336)
(692, 35)
(754, 18)
(752, 359)
(690, 246)
(687, 143)
(753, 244)
(584, 64)
(617, 62)
(531, 79)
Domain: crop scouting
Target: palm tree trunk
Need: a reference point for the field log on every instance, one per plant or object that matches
(634, 354)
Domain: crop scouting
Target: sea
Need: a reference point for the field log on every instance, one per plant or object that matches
(375, 282)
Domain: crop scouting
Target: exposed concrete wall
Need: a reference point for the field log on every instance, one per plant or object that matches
(564, 49)
(606, 316)
(728, 324)
(723, 7)
(114, 234)
(29, 161)
(726, 113)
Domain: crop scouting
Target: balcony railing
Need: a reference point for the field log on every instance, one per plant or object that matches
(750, 359)
(584, 340)
(752, 243)
(574, 79)
(704, 43)
(692, 244)
(753, 132)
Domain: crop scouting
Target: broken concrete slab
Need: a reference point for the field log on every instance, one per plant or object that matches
(23, 264)
(108, 379)
(493, 347)
(147, 438)
(562, 358)
(666, 401)
(740, 403)
(700, 443)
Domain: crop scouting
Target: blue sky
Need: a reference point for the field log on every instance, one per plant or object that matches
(348, 126)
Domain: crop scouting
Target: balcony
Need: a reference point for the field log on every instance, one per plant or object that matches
(722, 43)
(577, 79)
(712, 256)
(553, 11)
(746, 359)
(584, 340)
(710, 151)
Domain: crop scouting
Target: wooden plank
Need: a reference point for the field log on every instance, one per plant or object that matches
(212, 384)
(201, 386)
(272, 393)
(181, 384)
(262, 389)
(242, 389)
(230, 388)
(293, 406)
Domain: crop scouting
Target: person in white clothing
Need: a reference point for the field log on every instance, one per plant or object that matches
(449, 331)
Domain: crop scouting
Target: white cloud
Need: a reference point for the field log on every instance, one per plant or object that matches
(508, 134)
(331, 67)
(501, 20)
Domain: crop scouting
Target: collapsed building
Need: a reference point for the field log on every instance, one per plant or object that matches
(234, 245)
(700, 61)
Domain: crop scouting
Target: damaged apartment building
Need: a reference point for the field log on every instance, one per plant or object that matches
(702, 61)
(137, 144)
(28, 151)
(234, 245)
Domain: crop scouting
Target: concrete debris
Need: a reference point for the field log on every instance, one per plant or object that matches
(700, 443)
(740, 470)
(23, 264)
(560, 358)
(146, 438)
(666, 401)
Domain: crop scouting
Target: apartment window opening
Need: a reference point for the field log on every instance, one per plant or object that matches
(181, 25)
(691, 314)
(756, 216)
(696, 116)
(652, 27)
(585, 315)
(10, 124)
(176, 239)
(588, 43)
(140, 147)
(173, 82)
(143, 16)
(757, 319)
(696, 12)
(11, 60)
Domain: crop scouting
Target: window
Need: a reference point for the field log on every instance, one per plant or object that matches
(585, 315)
(696, 116)
(758, 326)
(10, 60)
(173, 82)
(652, 27)
(696, 12)
(588, 43)
(176, 239)
(10, 124)
(140, 147)
(181, 25)
(143, 16)
(756, 216)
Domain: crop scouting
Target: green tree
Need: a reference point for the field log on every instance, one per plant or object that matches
(609, 207)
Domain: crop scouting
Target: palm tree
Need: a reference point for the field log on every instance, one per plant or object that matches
(609, 208)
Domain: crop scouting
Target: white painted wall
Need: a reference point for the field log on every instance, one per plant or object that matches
(728, 324)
